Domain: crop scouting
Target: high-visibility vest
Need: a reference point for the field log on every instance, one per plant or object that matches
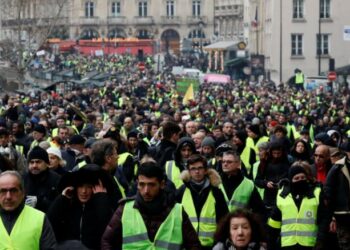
(255, 169)
(168, 236)
(240, 196)
(299, 78)
(250, 143)
(205, 223)
(121, 188)
(82, 164)
(54, 132)
(26, 232)
(76, 130)
(20, 149)
(291, 130)
(297, 227)
(173, 172)
(122, 158)
(245, 157)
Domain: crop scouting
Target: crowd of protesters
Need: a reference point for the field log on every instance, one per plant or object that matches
(131, 165)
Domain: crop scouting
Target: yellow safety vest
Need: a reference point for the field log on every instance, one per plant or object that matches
(245, 157)
(205, 223)
(168, 236)
(255, 169)
(26, 232)
(240, 196)
(122, 158)
(121, 188)
(297, 227)
(173, 172)
(250, 143)
(299, 78)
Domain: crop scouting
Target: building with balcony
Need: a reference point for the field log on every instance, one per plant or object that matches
(298, 34)
(228, 20)
(167, 21)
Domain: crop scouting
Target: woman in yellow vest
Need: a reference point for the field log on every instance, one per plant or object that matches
(300, 217)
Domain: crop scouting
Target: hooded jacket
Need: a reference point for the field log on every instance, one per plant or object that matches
(177, 154)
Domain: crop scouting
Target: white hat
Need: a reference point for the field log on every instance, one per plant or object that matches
(54, 151)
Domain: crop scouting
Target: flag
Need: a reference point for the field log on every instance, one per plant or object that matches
(255, 21)
(189, 95)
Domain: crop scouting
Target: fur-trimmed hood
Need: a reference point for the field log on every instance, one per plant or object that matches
(214, 177)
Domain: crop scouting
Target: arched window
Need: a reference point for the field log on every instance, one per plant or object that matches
(89, 34)
(196, 34)
(143, 34)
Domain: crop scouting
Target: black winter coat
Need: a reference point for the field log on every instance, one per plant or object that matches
(71, 220)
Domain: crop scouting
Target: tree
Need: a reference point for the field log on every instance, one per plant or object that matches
(26, 26)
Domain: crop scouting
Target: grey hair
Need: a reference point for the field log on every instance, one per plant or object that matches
(15, 174)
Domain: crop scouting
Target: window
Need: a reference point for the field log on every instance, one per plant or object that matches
(89, 9)
(196, 8)
(143, 8)
(322, 44)
(170, 8)
(143, 34)
(325, 8)
(115, 8)
(196, 34)
(298, 8)
(297, 45)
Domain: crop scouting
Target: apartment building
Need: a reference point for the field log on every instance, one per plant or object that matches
(302, 34)
(167, 21)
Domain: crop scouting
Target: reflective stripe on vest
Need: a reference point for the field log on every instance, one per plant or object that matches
(173, 173)
(121, 188)
(82, 164)
(206, 225)
(240, 196)
(168, 236)
(299, 227)
(26, 232)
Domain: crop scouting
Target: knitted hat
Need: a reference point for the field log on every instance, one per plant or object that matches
(294, 171)
(54, 151)
(77, 118)
(38, 153)
(40, 128)
(242, 135)
(208, 141)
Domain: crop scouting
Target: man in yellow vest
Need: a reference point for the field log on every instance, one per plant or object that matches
(299, 79)
(300, 217)
(238, 190)
(21, 226)
(202, 199)
(247, 154)
(150, 220)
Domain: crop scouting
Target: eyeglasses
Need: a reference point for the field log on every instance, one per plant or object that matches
(4, 191)
(319, 156)
(197, 169)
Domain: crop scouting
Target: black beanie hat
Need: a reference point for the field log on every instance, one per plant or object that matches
(38, 153)
(255, 129)
(294, 171)
(242, 135)
(40, 128)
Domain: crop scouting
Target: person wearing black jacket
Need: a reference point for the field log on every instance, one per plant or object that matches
(40, 182)
(164, 151)
(83, 210)
(202, 199)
